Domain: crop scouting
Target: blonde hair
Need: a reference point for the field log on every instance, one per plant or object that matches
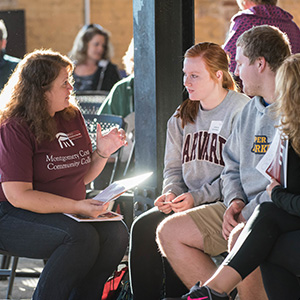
(287, 95)
(3, 30)
(128, 58)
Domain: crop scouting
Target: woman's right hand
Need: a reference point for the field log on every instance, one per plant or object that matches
(91, 208)
(164, 202)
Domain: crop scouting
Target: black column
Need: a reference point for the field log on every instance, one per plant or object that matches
(163, 30)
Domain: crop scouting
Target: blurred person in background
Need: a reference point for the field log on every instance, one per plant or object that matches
(91, 53)
(7, 62)
(255, 13)
(120, 100)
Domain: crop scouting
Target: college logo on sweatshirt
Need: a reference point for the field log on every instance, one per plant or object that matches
(203, 145)
(260, 145)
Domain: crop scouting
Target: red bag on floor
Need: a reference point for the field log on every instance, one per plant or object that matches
(113, 285)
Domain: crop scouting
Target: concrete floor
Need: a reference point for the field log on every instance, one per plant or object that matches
(23, 287)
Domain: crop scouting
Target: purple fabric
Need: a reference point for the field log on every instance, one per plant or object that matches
(260, 15)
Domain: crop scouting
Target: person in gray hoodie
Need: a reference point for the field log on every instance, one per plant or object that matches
(270, 238)
(204, 231)
(196, 135)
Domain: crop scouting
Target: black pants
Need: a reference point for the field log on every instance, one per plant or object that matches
(151, 276)
(271, 239)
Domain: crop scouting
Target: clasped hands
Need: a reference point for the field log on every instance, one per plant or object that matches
(169, 202)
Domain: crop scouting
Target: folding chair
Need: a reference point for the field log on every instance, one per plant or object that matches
(107, 122)
(9, 269)
(89, 107)
(89, 102)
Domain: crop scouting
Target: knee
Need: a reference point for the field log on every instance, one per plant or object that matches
(85, 234)
(136, 227)
(122, 234)
(144, 227)
(264, 214)
(234, 235)
(165, 233)
(118, 232)
(265, 208)
(84, 239)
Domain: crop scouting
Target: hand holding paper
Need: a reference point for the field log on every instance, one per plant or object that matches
(271, 164)
(117, 188)
(112, 192)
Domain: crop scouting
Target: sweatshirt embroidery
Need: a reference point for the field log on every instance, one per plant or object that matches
(203, 146)
(260, 145)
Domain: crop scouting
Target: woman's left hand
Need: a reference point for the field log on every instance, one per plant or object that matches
(110, 142)
(271, 186)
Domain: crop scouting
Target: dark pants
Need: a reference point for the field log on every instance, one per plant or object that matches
(281, 271)
(81, 256)
(270, 239)
(151, 277)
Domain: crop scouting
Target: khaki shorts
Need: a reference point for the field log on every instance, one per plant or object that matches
(209, 219)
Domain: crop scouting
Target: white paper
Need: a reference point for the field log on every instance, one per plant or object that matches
(267, 159)
(114, 190)
(106, 216)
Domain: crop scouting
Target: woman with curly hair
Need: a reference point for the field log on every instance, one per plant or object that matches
(46, 160)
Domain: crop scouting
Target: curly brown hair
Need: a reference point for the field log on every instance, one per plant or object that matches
(287, 104)
(215, 59)
(24, 94)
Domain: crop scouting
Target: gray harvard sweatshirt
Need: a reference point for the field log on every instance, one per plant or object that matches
(250, 139)
(193, 155)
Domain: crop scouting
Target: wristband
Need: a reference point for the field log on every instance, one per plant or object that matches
(98, 152)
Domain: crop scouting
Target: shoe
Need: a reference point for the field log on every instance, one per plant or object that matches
(233, 294)
(206, 293)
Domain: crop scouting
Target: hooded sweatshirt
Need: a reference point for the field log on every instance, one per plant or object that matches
(193, 154)
(249, 141)
(261, 15)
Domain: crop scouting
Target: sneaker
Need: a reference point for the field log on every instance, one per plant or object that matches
(205, 293)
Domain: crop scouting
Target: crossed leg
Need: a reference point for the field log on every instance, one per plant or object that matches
(189, 249)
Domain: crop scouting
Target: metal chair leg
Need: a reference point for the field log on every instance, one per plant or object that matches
(12, 276)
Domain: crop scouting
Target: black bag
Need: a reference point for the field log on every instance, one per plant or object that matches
(125, 293)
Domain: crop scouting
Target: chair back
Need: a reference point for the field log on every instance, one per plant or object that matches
(106, 121)
(89, 102)
(89, 107)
